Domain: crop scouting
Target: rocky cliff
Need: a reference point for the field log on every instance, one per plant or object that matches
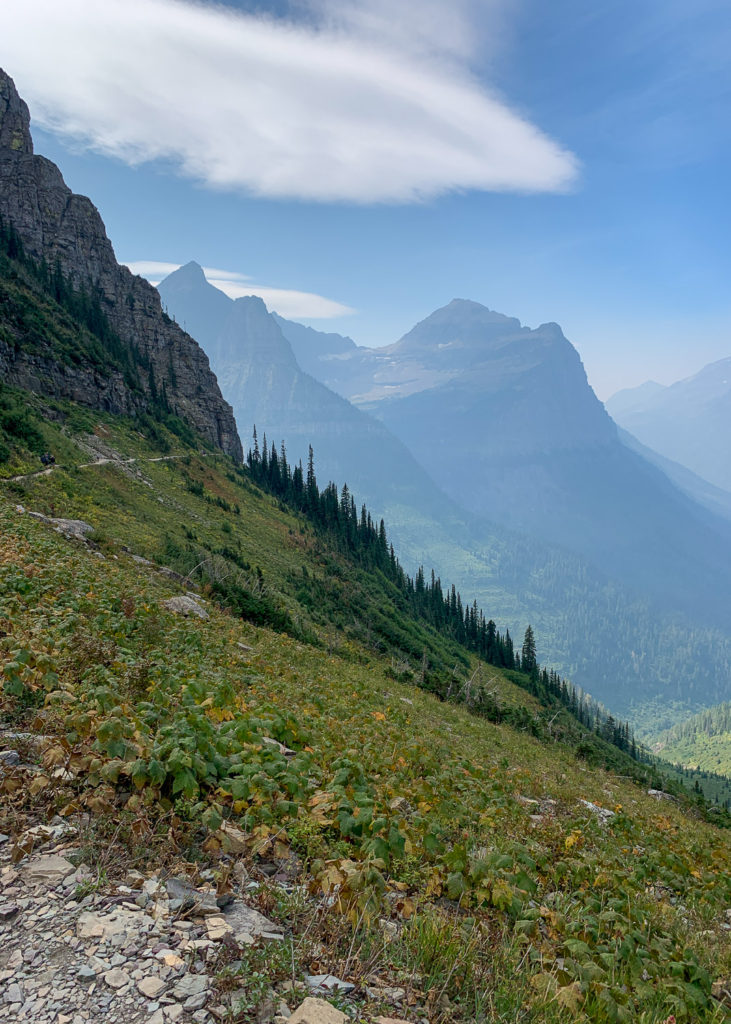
(65, 230)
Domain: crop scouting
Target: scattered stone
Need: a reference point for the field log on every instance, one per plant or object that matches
(50, 870)
(184, 605)
(391, 930)
(327, 983)
(8, 911)
(278, 746)
(390, 1020)
(14, 993)
(244, 647)
(293, 986)
(117, 978)
(232, 839)
(151, 987)
(217, 928)
(602, 813)
(400, 805)
(75, 529)
(171, 574)
(190, 897)
(658, 794)
(317, 1011)
(390, 994)
(245, 920)
(190, 985)
(9, 758)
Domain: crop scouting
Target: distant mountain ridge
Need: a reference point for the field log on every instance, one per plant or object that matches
(261, 378)
(688, 422)
(577, 610)
(504, 420)
(715, 499)
(65, 233)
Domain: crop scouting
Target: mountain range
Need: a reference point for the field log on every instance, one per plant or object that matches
(482, 444)
(477, 439)
(505, 421)
(688, 422)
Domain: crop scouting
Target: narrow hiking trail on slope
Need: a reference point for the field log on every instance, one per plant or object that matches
(104, 461)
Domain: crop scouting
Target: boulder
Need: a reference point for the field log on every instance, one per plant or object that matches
(184, 605)
(245, 920)
(49, 870)
(317, 1011)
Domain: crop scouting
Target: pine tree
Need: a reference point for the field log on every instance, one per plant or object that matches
(528, 659)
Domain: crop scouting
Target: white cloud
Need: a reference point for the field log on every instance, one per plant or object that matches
(153, 270)
(341, 110)
(285, 301)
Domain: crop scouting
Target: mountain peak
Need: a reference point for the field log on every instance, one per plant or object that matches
(189, 274)
(470, 308)
(14, 118)
(192, 269)
(253, 303)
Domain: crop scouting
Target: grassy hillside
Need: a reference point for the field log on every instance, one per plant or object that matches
(702, 741)
(514, 879)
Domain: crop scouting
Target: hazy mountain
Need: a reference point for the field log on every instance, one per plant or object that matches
(313, 348)
(259, 373)
(578, 611)
(504, 420)
(704, 493)
(629, 400)
(689, 422)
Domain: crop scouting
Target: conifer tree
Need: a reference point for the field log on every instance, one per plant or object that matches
(528, 652)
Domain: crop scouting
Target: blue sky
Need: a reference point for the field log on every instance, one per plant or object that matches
(365, 162)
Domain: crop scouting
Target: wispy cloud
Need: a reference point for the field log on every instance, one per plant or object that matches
(342, 108)
(285, 301)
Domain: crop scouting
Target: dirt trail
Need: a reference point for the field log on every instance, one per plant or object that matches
(97, 462)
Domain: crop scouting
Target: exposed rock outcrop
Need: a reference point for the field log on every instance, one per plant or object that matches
(58, 226)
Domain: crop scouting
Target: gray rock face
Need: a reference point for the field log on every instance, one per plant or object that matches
(56, 225)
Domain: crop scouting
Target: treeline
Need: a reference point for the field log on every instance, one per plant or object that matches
(357, 532)
(711, 722)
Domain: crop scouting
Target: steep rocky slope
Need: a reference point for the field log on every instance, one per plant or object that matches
(65, 233)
